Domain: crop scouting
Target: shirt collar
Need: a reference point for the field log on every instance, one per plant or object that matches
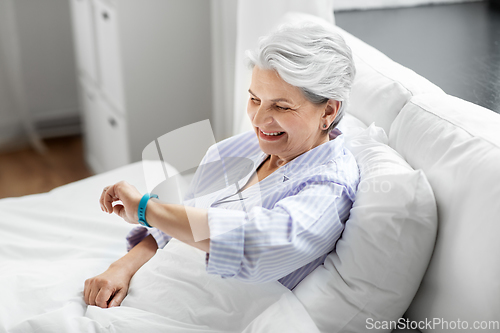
(317, 156)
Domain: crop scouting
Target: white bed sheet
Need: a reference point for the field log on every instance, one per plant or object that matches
(50, 243)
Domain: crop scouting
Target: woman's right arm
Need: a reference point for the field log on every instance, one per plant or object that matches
(110, 288)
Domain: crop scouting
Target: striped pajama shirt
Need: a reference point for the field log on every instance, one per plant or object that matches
(281, 228)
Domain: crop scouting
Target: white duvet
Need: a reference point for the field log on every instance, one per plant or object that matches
(50, 243)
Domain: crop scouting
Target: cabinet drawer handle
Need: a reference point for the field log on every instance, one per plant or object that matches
(105, 16)
(112, 122)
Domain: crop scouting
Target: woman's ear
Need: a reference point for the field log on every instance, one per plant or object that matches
(331, 109)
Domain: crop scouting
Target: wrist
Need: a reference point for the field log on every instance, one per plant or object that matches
(130, 263)
(152, 213)
(142, 208)
(123, 268)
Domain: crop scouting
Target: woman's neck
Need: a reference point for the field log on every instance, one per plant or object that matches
(275, 161)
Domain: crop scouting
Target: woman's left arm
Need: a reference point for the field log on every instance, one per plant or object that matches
(187, 224)
(266, 244)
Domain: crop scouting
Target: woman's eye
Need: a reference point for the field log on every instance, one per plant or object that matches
(282, 108)
(254, 100)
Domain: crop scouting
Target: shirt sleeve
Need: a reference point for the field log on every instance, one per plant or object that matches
(265, 245)
(136, 235)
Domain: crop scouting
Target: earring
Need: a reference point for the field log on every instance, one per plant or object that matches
(324, 126)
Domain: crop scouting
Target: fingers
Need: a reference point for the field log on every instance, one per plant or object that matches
(107, 289)
(114, 193)
(119, 210)
(118, 298)
(86, 291)
(103, 296)
(92, 294)
(89, 292)
(103, 198)
(99, 292)
(108, 197)
(121, 191)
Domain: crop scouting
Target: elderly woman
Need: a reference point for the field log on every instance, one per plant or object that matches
(294, 202)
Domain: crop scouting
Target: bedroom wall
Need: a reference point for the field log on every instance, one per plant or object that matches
(43, 33)
(372, 4)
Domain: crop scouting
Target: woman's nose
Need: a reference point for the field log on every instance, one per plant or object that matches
(262, 116)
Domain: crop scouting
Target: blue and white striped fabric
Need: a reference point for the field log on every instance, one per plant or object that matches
(281, 228)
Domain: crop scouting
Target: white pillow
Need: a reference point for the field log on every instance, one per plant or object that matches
(385, 248)
(351, 126)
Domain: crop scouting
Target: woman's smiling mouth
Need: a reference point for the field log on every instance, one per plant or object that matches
(270, 136)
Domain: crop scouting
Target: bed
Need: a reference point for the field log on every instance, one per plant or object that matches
(424, 160)
(52, 242)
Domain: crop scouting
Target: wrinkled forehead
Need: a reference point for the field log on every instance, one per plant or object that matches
(267, 85)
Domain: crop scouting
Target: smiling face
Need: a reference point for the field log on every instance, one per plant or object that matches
(286, 123)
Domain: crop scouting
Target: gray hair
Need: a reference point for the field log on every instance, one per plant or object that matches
(312, 58)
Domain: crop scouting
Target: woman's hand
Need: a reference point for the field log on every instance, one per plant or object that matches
(110, 288)
(107, 289)
(126, 199)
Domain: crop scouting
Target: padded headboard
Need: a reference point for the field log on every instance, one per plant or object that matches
(382, 86)
(457, 145)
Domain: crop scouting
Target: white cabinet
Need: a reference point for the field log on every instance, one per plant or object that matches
(114, 139)
(91, 126)
(83, 31)
(105, 131)
(108, 52)
(144, 70)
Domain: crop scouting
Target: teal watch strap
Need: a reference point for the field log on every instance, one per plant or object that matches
(141, 210)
